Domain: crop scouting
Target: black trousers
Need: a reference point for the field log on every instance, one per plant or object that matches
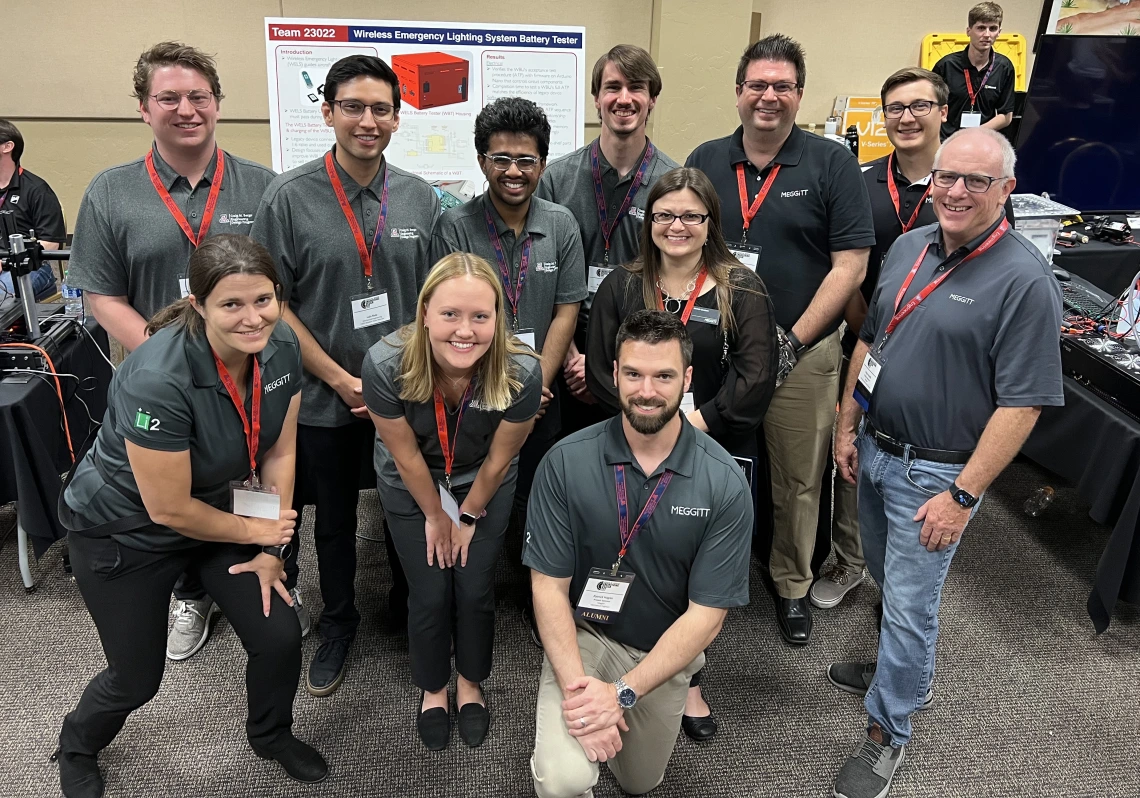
(127, 592)
(333, 465)
(446, 601)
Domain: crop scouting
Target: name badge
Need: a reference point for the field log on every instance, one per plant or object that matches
(594, 276)
(688, 404)
(450, 504)
(748, 466)
(705, 315)
(865, 386)
(369, 310)
(527, 337)
(255, 502)
(971, 120)
(603, 595)
(748, 254)
(183, 286)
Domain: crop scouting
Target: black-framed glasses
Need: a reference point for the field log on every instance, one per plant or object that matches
(975, 184)
(687, 219)
(781, 89)
(170, 100)
(526, 164)
(916, 108)
(354, 109)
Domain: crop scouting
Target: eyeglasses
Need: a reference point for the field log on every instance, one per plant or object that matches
(354, 109)
(916, 108)
(975, 184)
(170, 100)
(502, 163)
(687, 219)
(781, 89)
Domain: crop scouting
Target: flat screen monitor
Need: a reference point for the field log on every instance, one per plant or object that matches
(1080, 133)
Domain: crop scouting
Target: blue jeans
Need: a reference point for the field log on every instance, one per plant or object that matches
(891, 490)
(43, 282)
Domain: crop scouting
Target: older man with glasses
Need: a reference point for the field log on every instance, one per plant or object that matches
(956, 357)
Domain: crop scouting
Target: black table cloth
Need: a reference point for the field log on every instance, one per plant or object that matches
(1110, 267)
(33, 447)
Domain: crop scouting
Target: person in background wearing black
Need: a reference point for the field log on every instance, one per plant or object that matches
(981, 80)
(33, 207)
(193, 471)
(686, 268)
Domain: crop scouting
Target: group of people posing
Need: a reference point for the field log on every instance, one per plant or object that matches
(638, 362)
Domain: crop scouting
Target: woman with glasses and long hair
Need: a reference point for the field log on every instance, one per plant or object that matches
(453, 397)
(192, 470)
(686, 268)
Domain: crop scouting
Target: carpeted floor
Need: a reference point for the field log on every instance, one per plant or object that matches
(1030, 702)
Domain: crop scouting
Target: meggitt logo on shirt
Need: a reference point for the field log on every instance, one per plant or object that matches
(277, 383)
(803, 192)
(700, 512)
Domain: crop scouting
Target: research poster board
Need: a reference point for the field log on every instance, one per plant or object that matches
(447, 70)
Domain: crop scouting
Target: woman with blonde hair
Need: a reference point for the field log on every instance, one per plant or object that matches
(453, 397)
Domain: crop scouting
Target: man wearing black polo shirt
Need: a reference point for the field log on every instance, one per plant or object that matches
(957, 355)
(796, 210)
(32, 205)
(981, 80)
(616, 171)
(626, 613)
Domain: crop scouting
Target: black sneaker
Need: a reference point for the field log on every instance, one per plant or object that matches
(79, 775)
(326, 671)
(856, 678)
(868, 772)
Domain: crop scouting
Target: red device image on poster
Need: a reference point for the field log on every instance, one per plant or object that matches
(431, 80)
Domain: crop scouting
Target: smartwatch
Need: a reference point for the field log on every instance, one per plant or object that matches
(281, 552)
(468, 518)
(962, 497)
(625, 695)
(797, 345)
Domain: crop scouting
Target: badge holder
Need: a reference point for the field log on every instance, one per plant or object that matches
(603, 595)
(865, 386)
(688, 403)
(526, 335)
(748, 254)
(369, 310)
(450, 504)
(252, 500)
(183, 286)
(705, 315)
(595, 274)
(971, 120)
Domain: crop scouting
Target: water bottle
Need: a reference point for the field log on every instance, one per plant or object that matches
(1039, 501)
(72, 300)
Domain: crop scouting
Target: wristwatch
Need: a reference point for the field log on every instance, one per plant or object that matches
(962, 497)
(468, 518)
(281, 552)
(797, 345)
(625, 695)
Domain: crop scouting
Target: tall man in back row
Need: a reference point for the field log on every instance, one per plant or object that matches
(947, 396)
(795, 209)
(981, 79)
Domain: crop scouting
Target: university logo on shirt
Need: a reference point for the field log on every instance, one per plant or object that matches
(406, 233)
(236, 218)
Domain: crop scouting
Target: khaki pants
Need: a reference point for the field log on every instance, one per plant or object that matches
(845, 521)
(798, 428)
(560, 766)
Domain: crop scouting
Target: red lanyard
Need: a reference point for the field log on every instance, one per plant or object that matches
(252, 431)
(970, 83)
(891, 187)
(603, 214)
(749, 213)
(513, 292)
(4, 196)
(688, 311)
(627, 534)
(172, 206)
(362, 248)
(917, 299)
(441, 427)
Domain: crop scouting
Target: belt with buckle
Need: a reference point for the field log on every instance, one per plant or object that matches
(898, 449)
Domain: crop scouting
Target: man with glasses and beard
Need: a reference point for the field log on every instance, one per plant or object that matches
(626, 613)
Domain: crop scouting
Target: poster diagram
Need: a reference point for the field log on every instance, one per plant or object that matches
(447, 72)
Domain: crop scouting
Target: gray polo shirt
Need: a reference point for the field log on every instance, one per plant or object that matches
(128, 244)
(381, 381)
(167, 396)
(987, 337)
(556, 274)
(695, 547)
(302, 225)
(569, 181)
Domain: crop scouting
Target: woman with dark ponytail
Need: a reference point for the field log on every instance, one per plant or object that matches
(193, 469)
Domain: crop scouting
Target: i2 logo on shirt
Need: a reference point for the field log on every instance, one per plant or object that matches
(144, 421)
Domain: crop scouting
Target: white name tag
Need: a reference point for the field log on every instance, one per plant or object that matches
(594, 277)
(747, 257)
(369, 310)
(971, 120)
(687, 403)
(865, 385)
(450, 504)
(184, 287)
(604, 593)
(527, 337)
(256, 503)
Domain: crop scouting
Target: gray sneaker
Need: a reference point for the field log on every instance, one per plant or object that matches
(191, 628)
(833, 584)
(302, 612)
(868, 772)
(856, 678)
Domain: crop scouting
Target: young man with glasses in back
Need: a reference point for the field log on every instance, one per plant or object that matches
(349, 233)
(981, 80)
(139, 223)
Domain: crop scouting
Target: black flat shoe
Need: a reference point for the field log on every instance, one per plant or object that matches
(79, 775)
(300, 760)
(794, 619)
(434, 726)
(474, 720)
(700, 729)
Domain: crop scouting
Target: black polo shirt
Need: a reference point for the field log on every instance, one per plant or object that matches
(996, 97)
(817, 205)
(34, 206)
(695, 547)
(167, 396)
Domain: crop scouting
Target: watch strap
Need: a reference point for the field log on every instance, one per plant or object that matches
(796, 343)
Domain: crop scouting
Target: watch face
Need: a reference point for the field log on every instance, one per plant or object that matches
(627, 697)
(963, 498)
